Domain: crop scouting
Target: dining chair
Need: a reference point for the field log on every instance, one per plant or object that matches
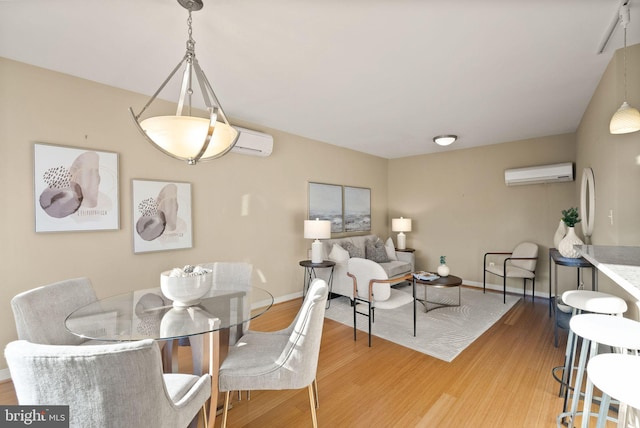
(286, 359)
(520, 263)
(372, 289)
(40, 313)
(109, 386)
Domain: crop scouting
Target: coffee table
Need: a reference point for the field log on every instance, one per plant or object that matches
(448, 281)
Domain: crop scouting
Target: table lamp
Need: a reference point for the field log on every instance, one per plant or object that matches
(317, 229)
(401, 225)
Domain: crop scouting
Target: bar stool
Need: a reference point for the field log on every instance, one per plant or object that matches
(583, 301)
(619, 333)
(618, 377)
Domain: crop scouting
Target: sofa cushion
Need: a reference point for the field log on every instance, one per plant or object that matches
(353, 250)
(396, 267)
(376, 251)
(338, 254)
(391, 249)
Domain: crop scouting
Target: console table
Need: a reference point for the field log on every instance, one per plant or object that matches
(556, 259)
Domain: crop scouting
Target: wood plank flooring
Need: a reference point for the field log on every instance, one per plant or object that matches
(502, 379)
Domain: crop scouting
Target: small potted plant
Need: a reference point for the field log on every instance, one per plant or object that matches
(570, 218)
(443, 269)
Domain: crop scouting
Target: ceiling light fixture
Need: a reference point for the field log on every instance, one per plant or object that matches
(627, 118)
(444, 140)
(183, 136)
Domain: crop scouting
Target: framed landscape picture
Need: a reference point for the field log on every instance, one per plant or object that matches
(161, 215)
(357, 209)
(325, 203)
(75, 189)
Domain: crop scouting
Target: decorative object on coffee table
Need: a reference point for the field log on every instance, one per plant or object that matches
(443, 269)
(565, 247)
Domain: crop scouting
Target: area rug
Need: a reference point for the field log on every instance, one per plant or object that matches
(442, 333)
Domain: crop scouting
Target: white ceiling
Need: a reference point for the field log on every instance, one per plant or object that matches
(378, 76)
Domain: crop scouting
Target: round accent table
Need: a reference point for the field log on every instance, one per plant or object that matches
(310, 274)
(448, 281)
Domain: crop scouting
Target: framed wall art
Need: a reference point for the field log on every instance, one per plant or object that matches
(325, 203)
(161, 215)
(357, 209)
(75, 189)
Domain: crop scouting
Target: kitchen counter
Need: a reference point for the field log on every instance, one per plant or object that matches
(621, 264)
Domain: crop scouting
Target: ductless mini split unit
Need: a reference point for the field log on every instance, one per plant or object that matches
(555, 173)
(252, 142)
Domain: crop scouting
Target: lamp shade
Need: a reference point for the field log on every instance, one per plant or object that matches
(401, 224)
(625, 120)
(317, 229)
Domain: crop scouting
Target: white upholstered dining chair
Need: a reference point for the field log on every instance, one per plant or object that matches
(372, 289)
(108, 386)
(40, 313)
(285, 359)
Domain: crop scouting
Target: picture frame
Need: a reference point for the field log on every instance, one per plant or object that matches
(325, 203)
(75, 189)
(357, 209)
(161, 215)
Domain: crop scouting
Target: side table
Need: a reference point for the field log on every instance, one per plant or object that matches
(310, 274)
(407, 250)
(440, 282)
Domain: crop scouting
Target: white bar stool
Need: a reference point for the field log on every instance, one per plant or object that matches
(617, 376)
(583, 301)
(621, 334)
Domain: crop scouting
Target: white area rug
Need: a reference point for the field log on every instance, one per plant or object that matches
(442, 333)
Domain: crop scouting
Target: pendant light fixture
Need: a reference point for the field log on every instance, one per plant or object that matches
(185, 136)
(627, 118)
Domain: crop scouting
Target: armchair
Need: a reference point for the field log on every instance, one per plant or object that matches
(372, 288)
(109, 386)
(521, 263)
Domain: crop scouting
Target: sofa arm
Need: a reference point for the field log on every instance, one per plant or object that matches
(407, 257)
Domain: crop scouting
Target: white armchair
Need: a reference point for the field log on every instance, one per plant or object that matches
(108, 386)
(372, 289)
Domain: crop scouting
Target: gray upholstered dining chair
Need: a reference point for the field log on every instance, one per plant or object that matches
(285, 359)
(115, 385)
(520, 263)
(372, 289)
(40, 312)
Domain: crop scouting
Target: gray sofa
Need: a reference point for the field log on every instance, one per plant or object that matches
(342, 284)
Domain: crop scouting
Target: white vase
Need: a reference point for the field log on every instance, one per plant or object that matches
(443, 270)
(565, 247)
(560, 233)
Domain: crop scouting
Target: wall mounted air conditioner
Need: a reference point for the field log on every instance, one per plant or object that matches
(539, 174)
(252, 142)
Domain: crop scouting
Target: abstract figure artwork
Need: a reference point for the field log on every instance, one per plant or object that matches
(161, 215)
(75, 189)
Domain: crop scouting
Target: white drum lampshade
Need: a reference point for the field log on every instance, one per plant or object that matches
(401, 225)
(317, 229)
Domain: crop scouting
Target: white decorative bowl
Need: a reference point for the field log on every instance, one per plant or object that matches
(185, 290)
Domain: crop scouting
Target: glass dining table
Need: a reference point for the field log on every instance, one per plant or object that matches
(148, 314)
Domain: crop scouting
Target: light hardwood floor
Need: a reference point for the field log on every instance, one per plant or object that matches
(502, 379)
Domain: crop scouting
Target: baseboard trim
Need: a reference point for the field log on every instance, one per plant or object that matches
(4, 375)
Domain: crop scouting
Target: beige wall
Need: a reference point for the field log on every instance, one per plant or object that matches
(615, 160)
(244, 207)
(462, 208)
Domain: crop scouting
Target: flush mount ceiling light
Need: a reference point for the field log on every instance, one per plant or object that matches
(185, 136)
(627, 118)
(445, 140)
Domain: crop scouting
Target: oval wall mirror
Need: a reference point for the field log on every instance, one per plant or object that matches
(587, 202)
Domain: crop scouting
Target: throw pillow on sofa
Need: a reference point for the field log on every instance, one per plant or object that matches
(353, 250)
(338, 254)
(391, 249)
(376, 251)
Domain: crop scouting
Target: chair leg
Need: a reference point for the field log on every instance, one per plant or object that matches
(524, 288)
(315, 387)
(533, 289)
(370, 315)
(484, 281)
(225, 409)
(354, 320)
(204, 415)
(313, 406)
(504, 289)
